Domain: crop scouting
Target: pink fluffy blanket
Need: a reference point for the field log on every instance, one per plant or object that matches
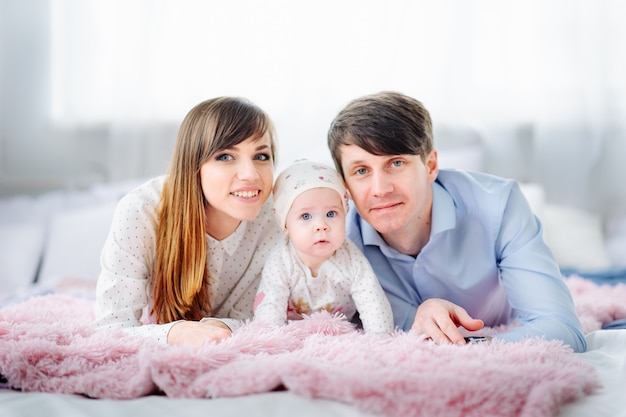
(47, 344)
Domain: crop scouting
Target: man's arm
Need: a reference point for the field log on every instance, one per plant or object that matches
(532, 279)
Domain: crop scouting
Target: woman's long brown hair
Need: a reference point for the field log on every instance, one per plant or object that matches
(181, 282)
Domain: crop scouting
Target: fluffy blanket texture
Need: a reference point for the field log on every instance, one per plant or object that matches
(47, 344)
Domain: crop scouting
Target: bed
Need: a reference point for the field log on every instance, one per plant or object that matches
(53, 363)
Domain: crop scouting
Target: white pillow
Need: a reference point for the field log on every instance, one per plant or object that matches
(21, 247)
(575, 236)
(616, 239)
(74, 243)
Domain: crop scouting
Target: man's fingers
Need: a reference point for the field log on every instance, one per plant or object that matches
(440, 334)
(440, 320)
(463, 319)
(451, 333)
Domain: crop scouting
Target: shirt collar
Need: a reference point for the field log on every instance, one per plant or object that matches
(232, 242)
(444, 210)
(443, 218)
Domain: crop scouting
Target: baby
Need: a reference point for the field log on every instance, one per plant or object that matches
(316, 268)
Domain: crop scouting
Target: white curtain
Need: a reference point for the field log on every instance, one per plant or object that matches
(540, 81)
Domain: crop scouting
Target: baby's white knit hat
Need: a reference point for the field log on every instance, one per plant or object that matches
(299, 177)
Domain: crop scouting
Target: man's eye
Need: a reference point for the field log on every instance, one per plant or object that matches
(331, 214)
(397, 163)
(306, 216)
(361, 171)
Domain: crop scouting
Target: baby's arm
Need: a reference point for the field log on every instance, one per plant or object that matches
(370, 299)
(272, 297)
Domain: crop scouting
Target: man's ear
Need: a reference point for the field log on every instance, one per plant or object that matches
(432, 162)
(432, 165)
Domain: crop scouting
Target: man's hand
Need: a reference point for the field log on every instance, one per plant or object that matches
(439, 320)
(196, 333)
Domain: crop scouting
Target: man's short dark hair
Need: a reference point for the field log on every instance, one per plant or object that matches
(385, 123)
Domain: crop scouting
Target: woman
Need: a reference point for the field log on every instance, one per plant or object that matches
(184, 255)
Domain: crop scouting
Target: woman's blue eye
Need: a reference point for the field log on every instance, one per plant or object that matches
(223, 157)
(306, 216)
(331, 214)
(263, 157)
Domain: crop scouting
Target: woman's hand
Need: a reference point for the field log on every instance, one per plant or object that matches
(439, 320)
(198, 333)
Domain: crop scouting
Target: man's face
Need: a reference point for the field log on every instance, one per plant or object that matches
(391, 192)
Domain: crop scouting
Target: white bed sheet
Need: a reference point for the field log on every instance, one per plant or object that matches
(606, 352)
(276, 404)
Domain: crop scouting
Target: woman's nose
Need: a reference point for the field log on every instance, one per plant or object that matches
(247, 170)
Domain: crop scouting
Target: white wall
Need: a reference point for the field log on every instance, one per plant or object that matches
(539, 84)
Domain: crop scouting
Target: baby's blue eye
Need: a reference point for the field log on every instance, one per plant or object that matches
(331, 214)
(305, 216)
(397, 163)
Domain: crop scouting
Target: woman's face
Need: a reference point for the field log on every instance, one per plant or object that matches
(236, 182)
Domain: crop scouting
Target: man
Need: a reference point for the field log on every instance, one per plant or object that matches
(450, 248)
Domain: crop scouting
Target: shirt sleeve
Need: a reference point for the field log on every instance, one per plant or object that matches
(121, 291)
(532, 279)
(272, 298)
(369, 298)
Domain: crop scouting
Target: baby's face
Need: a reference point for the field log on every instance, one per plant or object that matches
(316, 225)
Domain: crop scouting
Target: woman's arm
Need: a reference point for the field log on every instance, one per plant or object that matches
(122, 291)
